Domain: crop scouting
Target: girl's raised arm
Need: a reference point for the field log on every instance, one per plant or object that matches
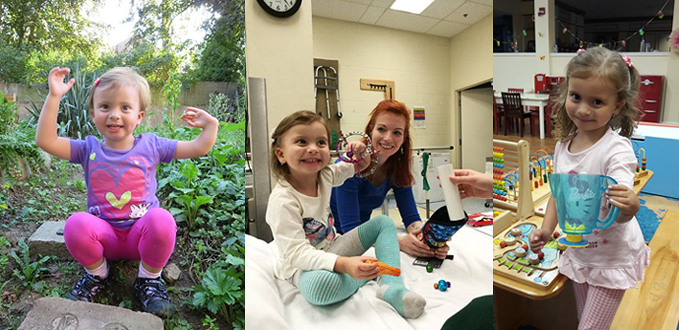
(195, 117)
(46, 134)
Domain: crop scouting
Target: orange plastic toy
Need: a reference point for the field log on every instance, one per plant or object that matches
(384, 268)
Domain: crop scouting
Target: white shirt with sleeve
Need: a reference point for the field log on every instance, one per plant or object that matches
(617, 255)
(303, 226)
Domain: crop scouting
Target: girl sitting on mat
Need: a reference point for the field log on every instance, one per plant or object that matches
(599, 98)
(327, 267)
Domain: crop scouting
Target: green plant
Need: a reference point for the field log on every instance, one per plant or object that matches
(18, 153)
(171, 91)
(4, 259)
(73, 119)
(28, 271)
(9, 117)
(187, 194)
(219, 289)
(210, 323)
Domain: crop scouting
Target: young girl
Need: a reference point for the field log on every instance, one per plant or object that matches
(124, 219)
(326, 267)
(598, 98)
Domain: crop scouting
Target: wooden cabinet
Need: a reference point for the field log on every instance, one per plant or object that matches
(651, 97)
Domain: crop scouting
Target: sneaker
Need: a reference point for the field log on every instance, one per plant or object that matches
(86, 288)
(153, 296)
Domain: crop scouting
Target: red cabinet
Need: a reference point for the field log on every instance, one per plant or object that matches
(651, 97)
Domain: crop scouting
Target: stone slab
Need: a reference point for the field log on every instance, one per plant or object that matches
(63, 314)
(45, 240)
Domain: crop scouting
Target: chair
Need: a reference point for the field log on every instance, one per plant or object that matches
(514, 110)
(498, 114)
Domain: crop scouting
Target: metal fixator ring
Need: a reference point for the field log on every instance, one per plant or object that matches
(347, 156)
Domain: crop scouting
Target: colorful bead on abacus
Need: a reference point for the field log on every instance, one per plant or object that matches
(643, 164)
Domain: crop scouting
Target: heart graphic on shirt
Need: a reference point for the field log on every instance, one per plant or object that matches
(118, 203)
(115, 189)
(93, 155)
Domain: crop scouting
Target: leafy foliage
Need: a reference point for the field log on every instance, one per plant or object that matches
(221, 289)
(73, 119)
(37, 24)
(28, 271)
(14, 63)
(154, 64)
(18, 152)
(223, 51)
(8, 116)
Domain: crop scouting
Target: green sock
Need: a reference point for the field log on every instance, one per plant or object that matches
(407, 303)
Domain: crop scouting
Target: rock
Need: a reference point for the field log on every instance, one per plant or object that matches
(171, 273)
(59, 313)
(45, 241)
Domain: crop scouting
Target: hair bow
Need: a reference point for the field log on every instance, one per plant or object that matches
(627, 60)
(581, 50)
(96, 82)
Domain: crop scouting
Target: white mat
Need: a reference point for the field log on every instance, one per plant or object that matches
(276, 304)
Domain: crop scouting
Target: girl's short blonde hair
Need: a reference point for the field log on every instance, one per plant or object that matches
(122, 76)
(613, 69)
(302, 117)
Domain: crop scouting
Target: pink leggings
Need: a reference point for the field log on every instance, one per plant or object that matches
(151, 239)
(596, 305)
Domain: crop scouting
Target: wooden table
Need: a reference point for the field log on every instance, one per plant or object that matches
(533, 100)
(655, 305)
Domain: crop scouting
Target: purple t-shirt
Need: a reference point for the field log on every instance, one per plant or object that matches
(121, 185)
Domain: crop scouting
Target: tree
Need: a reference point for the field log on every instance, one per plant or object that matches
(156, 18)
(28, 25)
(223, 54)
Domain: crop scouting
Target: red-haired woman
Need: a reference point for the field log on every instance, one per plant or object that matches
(353, 202)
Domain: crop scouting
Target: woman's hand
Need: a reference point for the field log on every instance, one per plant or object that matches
(195, 117)
(473, 184)
(624, 199)
(442, 252)
(356, 268)
(413, 245)
(56, 82)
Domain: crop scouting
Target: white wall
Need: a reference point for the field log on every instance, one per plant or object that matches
(471, 63)
(280, 50)
(419, 64)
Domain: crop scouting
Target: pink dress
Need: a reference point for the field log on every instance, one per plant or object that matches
(616, 256)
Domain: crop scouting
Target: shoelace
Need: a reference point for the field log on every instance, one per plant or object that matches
(87, 287)
(153, 290)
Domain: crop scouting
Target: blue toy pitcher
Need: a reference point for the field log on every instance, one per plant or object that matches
(580, 205)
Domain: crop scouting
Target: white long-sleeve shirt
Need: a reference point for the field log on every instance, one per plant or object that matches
(303, 226)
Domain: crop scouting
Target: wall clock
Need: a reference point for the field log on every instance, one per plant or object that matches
(280, 8)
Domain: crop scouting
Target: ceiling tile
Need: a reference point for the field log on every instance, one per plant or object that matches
(382, 3)
(363, 2)
(406, 21)
(473, 10)
(484, 2)
(372, 15)
(447, 29)
(442, 8)
(338, 9)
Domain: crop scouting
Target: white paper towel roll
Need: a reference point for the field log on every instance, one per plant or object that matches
(450, 192)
